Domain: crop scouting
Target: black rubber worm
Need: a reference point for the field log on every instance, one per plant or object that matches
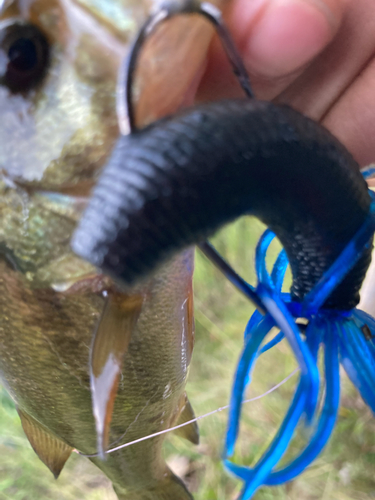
(176, 182)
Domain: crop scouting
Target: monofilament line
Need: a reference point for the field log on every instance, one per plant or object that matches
(197, 418)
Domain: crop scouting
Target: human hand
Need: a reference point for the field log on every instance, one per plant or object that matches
(316, 55)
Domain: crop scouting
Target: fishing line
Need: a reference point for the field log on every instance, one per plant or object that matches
(222, 408)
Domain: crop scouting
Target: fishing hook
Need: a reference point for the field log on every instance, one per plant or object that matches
(125, 102)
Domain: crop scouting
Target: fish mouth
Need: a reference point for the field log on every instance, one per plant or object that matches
(72, 198)
(81, 189)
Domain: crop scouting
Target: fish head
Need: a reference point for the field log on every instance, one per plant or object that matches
(58, 130)
(59, 120)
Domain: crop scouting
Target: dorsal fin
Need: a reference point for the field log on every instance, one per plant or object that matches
(190, 431)
(51, 450)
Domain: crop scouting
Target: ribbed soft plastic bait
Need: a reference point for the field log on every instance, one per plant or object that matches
(177, 181)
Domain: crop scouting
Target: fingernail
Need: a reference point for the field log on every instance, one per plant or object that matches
(286, 36)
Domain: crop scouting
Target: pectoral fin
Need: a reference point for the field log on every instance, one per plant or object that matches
(111, 342)
(190, 431)
(52, 451)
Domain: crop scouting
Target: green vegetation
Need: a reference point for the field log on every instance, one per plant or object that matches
(344, 471)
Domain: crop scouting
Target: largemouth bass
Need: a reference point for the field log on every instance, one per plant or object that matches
(59, 65)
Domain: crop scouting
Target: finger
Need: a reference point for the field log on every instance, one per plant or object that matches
(352, 118)
(328, 77)
(276, 39)
(287, 34)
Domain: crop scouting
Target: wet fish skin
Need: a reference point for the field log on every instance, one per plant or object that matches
(54, 142)
(45, 340)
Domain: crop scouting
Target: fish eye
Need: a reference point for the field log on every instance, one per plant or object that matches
(24, 56)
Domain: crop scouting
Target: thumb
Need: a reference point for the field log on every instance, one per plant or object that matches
(281, 36)
(276, 39)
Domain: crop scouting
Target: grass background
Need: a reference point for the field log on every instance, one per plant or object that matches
(346, 469)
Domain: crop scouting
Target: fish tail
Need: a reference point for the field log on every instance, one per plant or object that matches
(169, 488)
